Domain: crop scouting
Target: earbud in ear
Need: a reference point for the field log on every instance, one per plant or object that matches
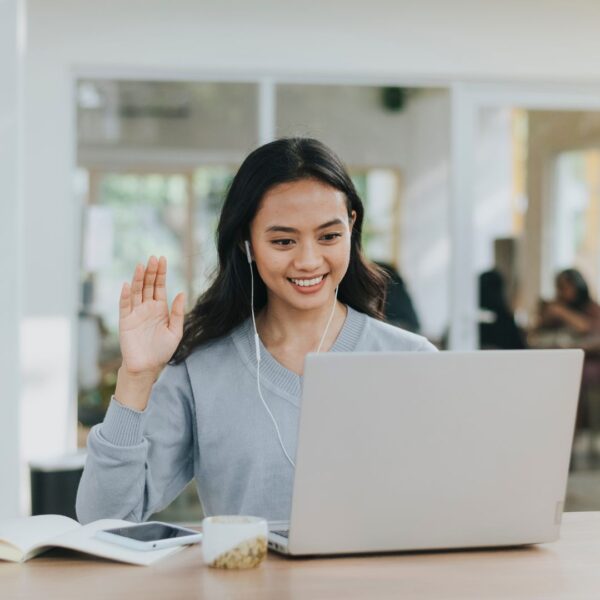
(248, 254)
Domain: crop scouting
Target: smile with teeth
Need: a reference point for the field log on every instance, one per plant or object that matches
(307, 282)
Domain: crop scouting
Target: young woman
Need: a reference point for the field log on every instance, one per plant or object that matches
(573, 308)
(576, 318)
(288, 244)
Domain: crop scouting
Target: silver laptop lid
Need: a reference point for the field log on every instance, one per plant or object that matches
(407, 451)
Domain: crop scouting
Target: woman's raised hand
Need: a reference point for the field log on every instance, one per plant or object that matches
(148, 333)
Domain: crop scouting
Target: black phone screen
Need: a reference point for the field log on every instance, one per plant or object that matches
(149, 532)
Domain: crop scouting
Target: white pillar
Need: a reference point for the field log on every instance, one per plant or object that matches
(463, 289)
(51, 225)
(266, 111)
(12, 41)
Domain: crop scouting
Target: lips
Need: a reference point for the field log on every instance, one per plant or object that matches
(307, 283)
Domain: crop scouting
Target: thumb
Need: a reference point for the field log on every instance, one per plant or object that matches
(177, 315)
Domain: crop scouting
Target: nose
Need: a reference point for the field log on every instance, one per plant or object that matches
(308, 257)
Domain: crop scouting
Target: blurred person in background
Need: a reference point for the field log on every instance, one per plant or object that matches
(399, 309)
(572, 309)
(497, 327)
(572, 320)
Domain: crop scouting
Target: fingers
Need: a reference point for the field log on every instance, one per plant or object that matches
(147, 284)
(137, 284)
(177, 315)
(125, 301)
(149, 278)
(160, 284)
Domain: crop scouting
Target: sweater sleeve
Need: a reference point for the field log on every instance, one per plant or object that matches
(427, 346)
(138, 462)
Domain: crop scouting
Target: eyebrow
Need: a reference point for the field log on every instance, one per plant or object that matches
(292, 230)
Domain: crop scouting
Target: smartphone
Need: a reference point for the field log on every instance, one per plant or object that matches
(150, 536)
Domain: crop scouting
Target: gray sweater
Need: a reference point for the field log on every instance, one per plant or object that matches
(205, 420)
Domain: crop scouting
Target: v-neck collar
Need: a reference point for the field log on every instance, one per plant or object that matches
(279, 378)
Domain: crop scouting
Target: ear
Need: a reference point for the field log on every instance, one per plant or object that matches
(353, 219)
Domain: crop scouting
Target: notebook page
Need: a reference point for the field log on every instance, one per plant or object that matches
(27, 532)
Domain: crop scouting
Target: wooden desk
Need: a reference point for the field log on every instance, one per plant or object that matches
(569, 568)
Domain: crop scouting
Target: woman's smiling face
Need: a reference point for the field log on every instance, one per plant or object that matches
(300, 238)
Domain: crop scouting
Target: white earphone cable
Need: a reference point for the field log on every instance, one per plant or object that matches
(329, 321)
(257, 349)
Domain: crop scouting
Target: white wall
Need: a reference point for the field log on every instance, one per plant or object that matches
(381, 40)
(515, 39)
(10, 204)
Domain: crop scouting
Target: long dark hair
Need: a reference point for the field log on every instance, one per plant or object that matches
(582, 291)
(226, 303)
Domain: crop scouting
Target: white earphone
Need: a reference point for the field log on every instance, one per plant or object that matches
(257, 347)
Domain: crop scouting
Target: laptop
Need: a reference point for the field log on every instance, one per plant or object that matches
(428, 451)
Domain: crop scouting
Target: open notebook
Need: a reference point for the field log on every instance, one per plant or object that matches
(25, 537)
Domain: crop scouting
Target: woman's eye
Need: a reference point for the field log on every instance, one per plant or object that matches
(328, 237)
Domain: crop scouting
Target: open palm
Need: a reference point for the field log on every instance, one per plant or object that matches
(148, 333)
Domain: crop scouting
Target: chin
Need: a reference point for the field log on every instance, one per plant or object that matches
(309, 302)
